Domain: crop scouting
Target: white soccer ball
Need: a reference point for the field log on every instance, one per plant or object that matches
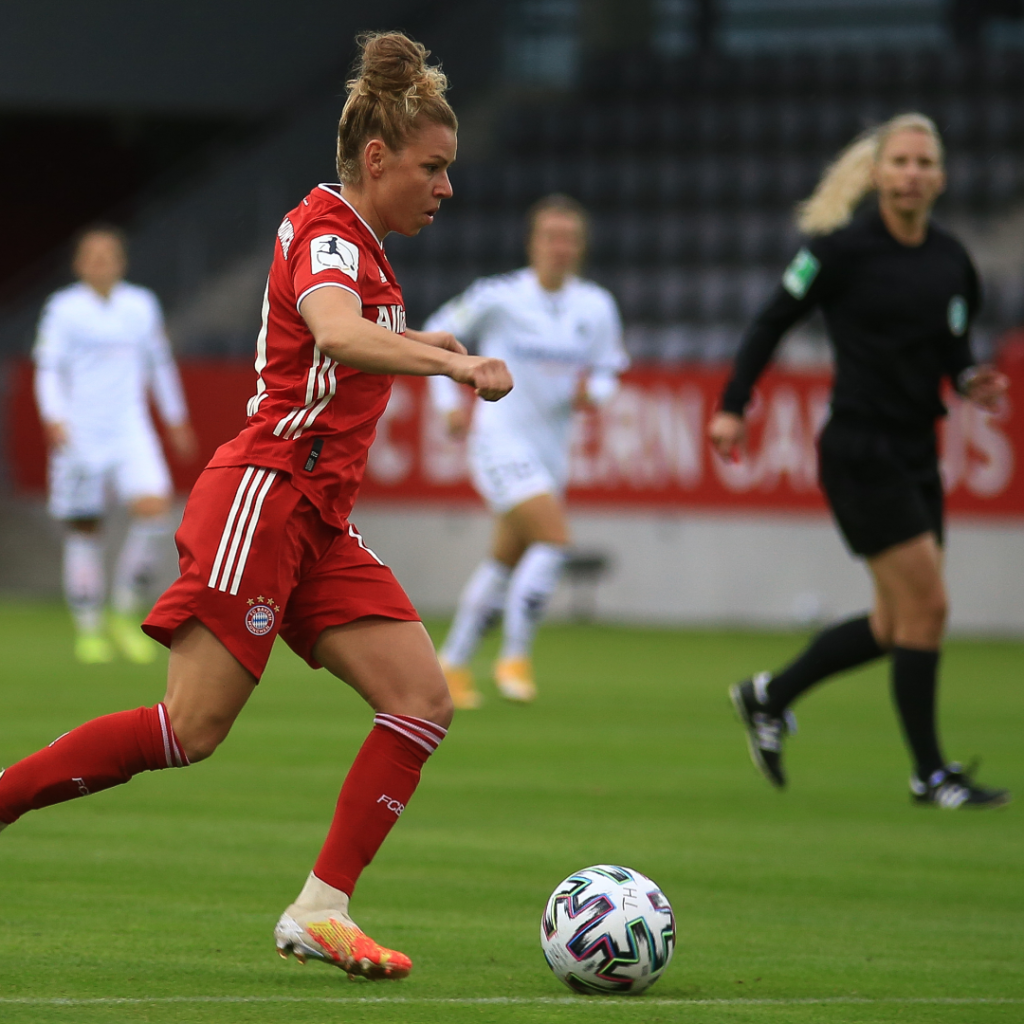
(608, 929)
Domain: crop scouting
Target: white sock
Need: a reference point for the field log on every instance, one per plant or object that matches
(533, 582)
(137, 563)
(318, 895)
(480, 604)
(84, 585)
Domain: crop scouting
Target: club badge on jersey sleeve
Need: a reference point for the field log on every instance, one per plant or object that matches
(331, 252)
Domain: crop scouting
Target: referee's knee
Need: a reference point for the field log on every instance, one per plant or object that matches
(924, 622)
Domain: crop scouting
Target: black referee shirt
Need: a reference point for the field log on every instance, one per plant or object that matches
(898, 317)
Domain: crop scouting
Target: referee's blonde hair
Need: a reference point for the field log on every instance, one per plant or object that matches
(393, 92)
(848, 179)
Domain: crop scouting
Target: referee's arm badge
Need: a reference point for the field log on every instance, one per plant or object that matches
(800, 274)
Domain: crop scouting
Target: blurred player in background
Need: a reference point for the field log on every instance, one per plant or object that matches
(562, 339)
(265, 544)
(101, 350)
(898, 294)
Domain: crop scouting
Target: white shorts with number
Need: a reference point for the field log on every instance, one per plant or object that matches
(506, 472)
(135, 468)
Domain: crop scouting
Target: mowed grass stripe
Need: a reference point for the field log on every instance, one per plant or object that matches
(594, 1002)
(835, 894)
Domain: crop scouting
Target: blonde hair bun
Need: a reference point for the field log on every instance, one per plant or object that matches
(392, 64)
(394, 87)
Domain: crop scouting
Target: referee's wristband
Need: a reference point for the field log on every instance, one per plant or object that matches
(965, 377)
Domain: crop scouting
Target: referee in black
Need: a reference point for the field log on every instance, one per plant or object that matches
(898, 294)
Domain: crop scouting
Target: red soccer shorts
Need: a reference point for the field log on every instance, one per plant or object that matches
(256, 559)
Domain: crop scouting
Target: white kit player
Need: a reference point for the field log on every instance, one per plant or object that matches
(562, 339)
(100, 350)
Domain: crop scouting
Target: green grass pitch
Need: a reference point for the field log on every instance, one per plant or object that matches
(836, 901)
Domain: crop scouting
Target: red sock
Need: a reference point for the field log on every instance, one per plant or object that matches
(379, 784)
(102, 753)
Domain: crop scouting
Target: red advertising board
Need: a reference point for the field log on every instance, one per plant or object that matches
(645, 449)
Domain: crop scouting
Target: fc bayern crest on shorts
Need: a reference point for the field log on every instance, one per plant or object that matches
(259, 618)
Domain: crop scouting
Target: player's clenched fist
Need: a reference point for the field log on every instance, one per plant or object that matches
(490, 378)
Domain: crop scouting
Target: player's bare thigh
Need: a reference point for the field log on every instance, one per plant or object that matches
(391, 663)
(540, 519)
(206, 689)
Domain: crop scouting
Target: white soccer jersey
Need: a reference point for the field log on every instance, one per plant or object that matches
(96, 358)
(549, 340)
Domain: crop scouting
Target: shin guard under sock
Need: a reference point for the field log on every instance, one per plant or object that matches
(379, 784)
(914, 685)
(102, 753)
(836, 649)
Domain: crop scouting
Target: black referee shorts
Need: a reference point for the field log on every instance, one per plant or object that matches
(883, 485)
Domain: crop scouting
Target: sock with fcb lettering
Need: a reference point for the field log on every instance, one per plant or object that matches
(103, 753)
(379, 784)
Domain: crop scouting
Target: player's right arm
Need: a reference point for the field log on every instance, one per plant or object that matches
(335, 318)
(798, 292)
(50, 355)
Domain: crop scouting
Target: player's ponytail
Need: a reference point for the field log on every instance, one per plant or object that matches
(848, 179)
(394, 91)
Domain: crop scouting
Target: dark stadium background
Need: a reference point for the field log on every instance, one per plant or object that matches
(688, 127)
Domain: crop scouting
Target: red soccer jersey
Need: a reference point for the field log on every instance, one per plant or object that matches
(312, 417)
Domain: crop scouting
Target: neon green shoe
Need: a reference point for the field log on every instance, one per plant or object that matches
(93, 649)
(131, 641)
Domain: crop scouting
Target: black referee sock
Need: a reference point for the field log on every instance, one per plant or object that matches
(835, 649)
(914, 682)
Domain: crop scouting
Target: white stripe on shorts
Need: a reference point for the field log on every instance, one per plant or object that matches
(240, 527)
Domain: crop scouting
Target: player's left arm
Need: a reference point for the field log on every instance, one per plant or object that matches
(335, 319)
(437, 339)
(608, 359)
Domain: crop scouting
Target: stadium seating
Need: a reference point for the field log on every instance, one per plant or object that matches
(691, 168)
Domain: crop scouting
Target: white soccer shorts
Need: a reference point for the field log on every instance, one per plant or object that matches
(508, 472)
(135, 468)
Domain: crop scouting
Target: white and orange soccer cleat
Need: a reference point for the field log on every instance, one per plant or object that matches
(514, 679)
(459, 678)
(333, 937)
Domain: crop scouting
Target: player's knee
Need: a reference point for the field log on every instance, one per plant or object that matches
(435, 704)
(440, 709)
(200, 737)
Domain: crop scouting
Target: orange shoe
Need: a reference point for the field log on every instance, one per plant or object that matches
(514, 678)
(332, 936)
(459, 678)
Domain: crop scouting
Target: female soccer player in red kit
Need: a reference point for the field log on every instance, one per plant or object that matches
(265, 545)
